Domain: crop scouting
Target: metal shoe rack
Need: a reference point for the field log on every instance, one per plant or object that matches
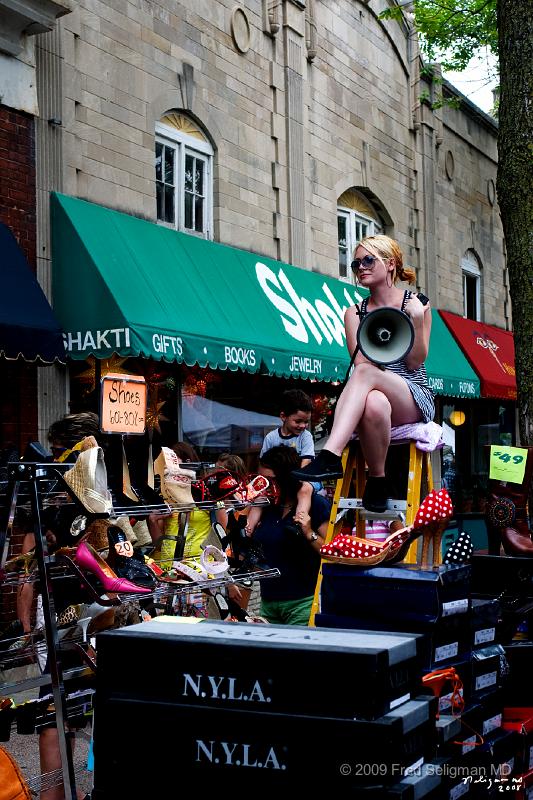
(28, 485)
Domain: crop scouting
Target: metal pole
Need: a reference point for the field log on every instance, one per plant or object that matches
(35, 471)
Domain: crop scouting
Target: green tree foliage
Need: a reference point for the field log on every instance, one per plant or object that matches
(452, 31)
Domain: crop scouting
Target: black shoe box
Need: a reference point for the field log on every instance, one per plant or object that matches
(475, 773)
(491, 713)
(492, 575)
(518, 690)
(466, 776)
(448, 730)
(485, 620)
(469, 734)
(422, 783)
(275, 668)
(505, 750)
(446, 640)
(488, 668)
(445, 700)
(404, 593)
(478, 721)
(221, 752)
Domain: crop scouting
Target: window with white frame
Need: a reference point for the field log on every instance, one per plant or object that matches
(471, 273)
(183, 175)
(355, 219)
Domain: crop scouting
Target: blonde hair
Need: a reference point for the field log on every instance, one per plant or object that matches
(384, 247)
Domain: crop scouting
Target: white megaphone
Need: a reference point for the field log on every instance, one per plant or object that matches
(385, 335)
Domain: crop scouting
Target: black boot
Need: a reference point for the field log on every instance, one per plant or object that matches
(326, 466)
(376, 494)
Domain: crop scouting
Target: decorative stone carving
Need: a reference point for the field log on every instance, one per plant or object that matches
(240, 29)
(449, 165)
(21, 18)
(491, 191)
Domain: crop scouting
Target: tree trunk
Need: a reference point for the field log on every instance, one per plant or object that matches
(515, 186)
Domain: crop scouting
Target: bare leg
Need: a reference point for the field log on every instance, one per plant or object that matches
(352, 402)
(374, 432)
(50, 759)
(25, 590)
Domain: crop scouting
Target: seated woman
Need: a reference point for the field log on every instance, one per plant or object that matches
(288, 599)
(376, 398)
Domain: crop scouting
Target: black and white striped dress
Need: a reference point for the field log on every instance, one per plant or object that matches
(416, 379)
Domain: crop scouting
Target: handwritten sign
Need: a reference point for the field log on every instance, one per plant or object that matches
(123, 404)
(507, 463)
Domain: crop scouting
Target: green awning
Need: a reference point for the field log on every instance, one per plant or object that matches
(124, 285)
(449, 373)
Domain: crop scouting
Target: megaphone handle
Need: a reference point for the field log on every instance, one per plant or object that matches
(423, 299)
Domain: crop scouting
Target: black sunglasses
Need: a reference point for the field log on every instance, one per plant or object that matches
(367, 262)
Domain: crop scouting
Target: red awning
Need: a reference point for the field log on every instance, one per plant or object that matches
(490, 350)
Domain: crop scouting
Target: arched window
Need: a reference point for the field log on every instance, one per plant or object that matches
(356, 218)
(183, 175)
(471, 270)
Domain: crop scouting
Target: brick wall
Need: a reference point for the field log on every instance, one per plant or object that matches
(18, 403)
(18, 399)
(17, 178)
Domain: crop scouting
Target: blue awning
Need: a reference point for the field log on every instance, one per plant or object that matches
(28, 326)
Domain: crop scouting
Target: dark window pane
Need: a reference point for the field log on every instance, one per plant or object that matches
(158, 158)
(169, 166)
(159, 196)
(199, 177)
(199, 214)
(189, 172)
(343, 262)
(341, 230)
(471, 296)
(188, 210)
(169, 204)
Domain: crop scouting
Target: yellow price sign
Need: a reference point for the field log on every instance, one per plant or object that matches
(507, 463)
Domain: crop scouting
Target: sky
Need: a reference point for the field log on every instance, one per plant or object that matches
(477, 81)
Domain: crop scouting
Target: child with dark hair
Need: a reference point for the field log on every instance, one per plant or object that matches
(296, 407)
(295, 414)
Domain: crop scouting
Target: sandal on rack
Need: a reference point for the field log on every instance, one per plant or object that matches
(212, 564)
(220, 485)
(430, 519)
(255, 486)
(175, 481)
(25, 562)
(87, 481)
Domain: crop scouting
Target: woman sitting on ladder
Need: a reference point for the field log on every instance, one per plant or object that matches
(374, 398)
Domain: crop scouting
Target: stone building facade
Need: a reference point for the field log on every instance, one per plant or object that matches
(309, 121)
(20, 26)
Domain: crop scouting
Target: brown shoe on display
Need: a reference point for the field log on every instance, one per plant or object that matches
(506, 514)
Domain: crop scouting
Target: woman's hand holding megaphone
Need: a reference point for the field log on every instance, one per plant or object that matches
(415, 310)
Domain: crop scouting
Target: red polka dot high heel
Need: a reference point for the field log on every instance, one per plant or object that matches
(430, 517)
(433, 520)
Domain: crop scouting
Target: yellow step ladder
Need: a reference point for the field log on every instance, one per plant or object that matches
(353, 461)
